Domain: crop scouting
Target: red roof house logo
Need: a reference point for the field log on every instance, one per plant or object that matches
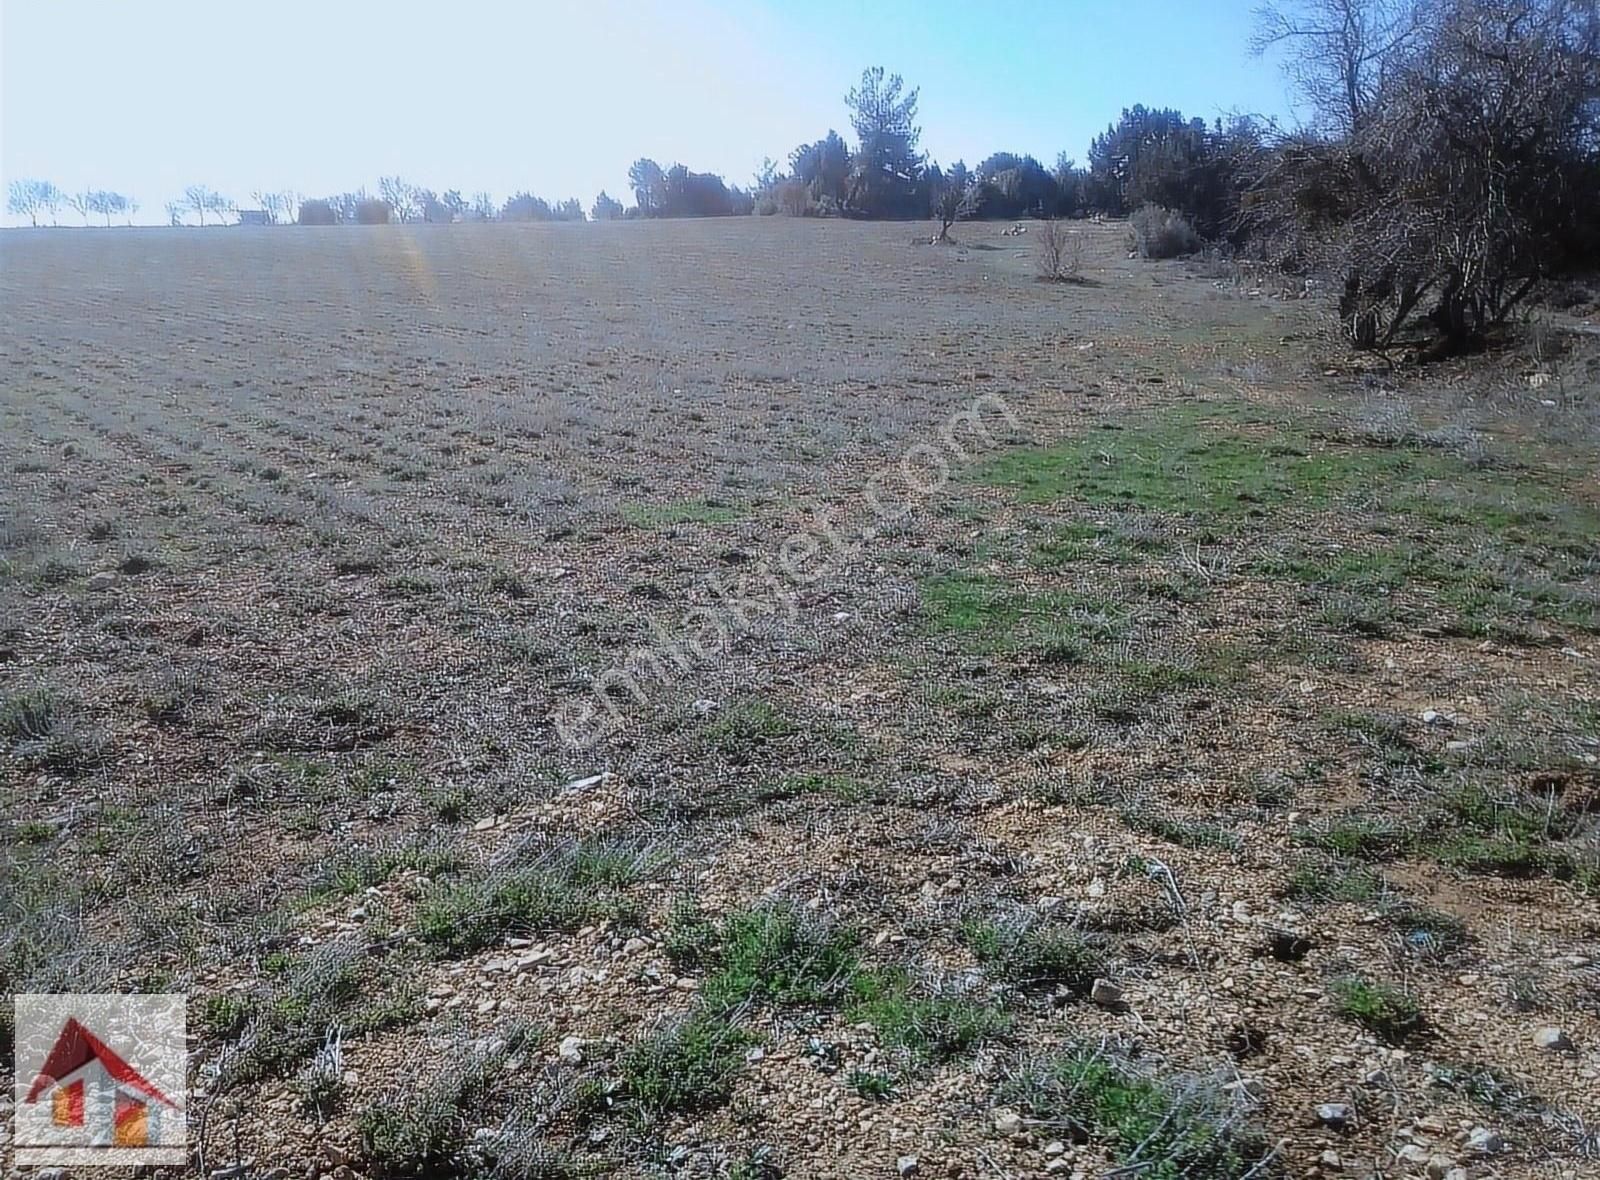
(95, 1096)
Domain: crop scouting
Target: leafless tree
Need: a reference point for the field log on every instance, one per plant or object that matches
(27, 198)
(403, 197)
(1059, 252)
(956, 197)
(1465, 179)
(198, 199)
(1335, 51)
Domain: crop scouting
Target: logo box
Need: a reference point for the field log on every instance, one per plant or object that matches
(100, 1080)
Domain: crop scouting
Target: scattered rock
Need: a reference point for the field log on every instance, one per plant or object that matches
(1554, 1039)
(635, 946)
(1482, 1141)
(1439, 1167)
(1330, 1161)
(1007, 1122)
(1336, 1115)
(1106, 994)
(571, 1050)
(906, 1165)
(103, 580)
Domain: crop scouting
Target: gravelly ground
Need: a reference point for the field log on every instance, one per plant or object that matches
(1244, 670)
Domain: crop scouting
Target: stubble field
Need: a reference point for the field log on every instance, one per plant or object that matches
(1030, 728)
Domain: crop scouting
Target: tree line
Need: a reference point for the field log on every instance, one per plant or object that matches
(1451, 162)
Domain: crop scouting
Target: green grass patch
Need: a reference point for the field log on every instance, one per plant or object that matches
(1385, 1010)
(350, 871)
(1338, 881)
(928, 1027)
(684, 512)
(990, 614)
(1030, 955)
(778, 954)
(1160, 1128)
(745, 725)
(686, 1066)
(566, 888)
(1122, 543)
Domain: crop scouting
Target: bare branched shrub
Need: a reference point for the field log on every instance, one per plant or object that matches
(1059, 253)
(1466, 157)
(1162, 233)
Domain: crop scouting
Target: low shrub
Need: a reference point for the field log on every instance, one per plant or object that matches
(1162, 233)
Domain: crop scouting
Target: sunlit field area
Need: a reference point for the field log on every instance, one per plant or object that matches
(777, 697)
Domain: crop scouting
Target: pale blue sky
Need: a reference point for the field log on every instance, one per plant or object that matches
(559, 98)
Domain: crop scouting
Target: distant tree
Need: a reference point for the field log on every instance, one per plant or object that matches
(525, 207)
(887, 168)
(199, 199)
(1158, 157)
(483, 206)
(1015, 186)
(26, 198)
(131, 209)
(648, 183)
(221, 205)
(278, 206)
(456, 204)
(955, 196)
(606, 208)
(1069, 180)
(823, 168)
(372, 211)
(346, 204)
(431, 208)
(318, 212)
(82, 204)
(53, 199)
(175, 212)
(569, 210)
(107, 204)
(402, 197)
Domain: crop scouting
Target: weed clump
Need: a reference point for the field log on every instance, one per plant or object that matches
(1382, 1008)
(1166, 1128)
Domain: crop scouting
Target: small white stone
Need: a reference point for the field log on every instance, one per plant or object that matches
(906, 1165)
(1553, 1039)
(571, 1050)
(1485, 1142)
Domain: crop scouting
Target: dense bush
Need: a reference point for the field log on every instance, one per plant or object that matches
(1162, 233)
(1461, 161)
(318, 212)
(372, 211)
